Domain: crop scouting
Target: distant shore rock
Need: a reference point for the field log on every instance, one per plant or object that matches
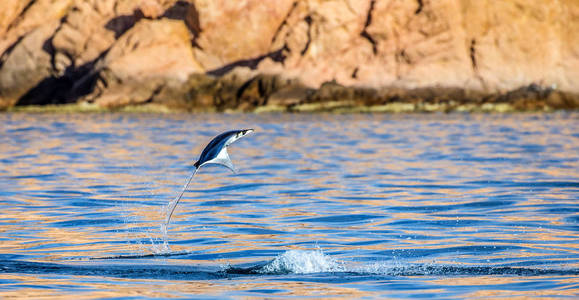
(291, 55)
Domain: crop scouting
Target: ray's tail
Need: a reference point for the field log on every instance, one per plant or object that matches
(173, 203)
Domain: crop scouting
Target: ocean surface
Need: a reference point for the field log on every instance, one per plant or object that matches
(323, 206)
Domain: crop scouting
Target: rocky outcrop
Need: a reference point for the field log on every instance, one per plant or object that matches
(291, 55)
(125, 77)
(19, 18)
(30, 72)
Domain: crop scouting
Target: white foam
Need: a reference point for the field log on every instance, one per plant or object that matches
(164, 248)
(316, 261)
(378, 268)
(302, 262)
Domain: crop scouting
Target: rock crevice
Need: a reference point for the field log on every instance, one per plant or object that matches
(365, 33)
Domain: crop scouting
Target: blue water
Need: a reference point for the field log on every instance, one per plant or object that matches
(337, 206)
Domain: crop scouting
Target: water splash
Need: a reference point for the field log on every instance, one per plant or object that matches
(143, 241)
(164, 247)
(315, 261)
(302, 262)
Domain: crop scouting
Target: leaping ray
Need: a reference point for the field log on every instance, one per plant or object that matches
(214, 153)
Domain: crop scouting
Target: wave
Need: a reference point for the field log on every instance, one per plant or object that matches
(294, 262)
(138, 256)
(309, 262)
(290, 262)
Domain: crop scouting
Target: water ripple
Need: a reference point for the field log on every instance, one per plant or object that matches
(328, 206)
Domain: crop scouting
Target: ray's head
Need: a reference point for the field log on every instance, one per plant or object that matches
(235, 135)
(243, 132)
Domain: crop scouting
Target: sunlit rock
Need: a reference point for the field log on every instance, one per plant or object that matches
(150, 54)
(119, 52)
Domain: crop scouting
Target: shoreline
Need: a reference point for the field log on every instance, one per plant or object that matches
(271, 94)
(264, 93)
(335, 107)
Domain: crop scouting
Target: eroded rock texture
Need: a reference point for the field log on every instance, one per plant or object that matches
(218, 54)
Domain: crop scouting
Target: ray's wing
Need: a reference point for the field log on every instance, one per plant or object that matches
(223, 159)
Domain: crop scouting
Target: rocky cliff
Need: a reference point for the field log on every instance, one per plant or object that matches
(291, 54)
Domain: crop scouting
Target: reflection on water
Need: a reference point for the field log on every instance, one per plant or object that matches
(401, 205)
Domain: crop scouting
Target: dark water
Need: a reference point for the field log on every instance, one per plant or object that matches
(405, 206)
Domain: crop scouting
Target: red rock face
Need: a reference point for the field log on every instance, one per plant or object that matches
(152, 52)
(103, 50)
